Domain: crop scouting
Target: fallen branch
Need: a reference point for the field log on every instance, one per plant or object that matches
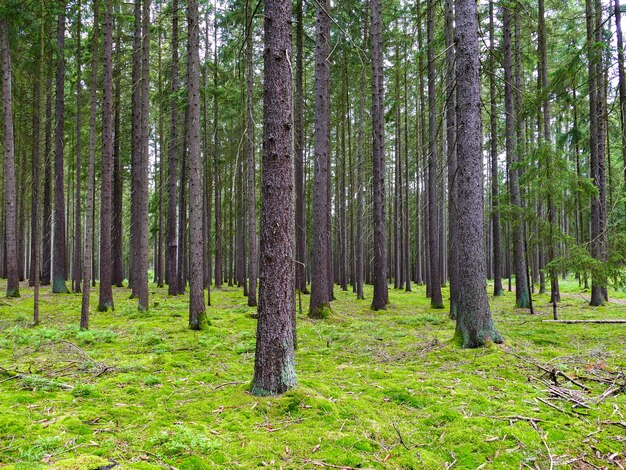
(583, 321)
(399, 436)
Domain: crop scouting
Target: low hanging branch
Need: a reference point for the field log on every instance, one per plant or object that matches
(583, 321)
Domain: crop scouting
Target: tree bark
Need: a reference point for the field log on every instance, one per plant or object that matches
(381, 296)
(106, 192)
(274, 365)
(59, 269)
(474, 323)
(10, 197)
(320, 260)
(219, 279)
(76, 259)
(118, 216)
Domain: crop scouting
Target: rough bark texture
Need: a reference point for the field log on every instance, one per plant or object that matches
(522, 297)
(89, 223)
(320, 275)
(172, 163)
(436, 300)
(59, 269)
(274, 365)
(106, 192)
(299, 155)
(474, 322)
(252, 236)
(381, 296)
(197, 314)
(78, 220)
(493, 135)
(10, 196)
(451, 138)
(118, 215)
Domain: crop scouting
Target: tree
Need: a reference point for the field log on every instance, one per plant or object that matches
(197, 314)
(172, 162)
(274, 363)
(10, 198)
(320, 293)
(252, 242)
(76, 259)
(436, 300)
(59, 269)
(381, 296)
(522, 295)
(474, 322)
(105, 301)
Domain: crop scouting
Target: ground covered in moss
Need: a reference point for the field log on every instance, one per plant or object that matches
(376, 389)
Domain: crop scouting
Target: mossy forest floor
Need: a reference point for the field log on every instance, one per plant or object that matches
(376, 389)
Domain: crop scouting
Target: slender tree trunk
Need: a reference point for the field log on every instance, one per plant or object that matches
(89, 222)
(10, 196)
(451, 138)
(622, 82)
(474, 322)
(381, 296)
(182, 206)
(106, 192)
(495, 180)
(252, 236)
(172, 162)
(59, 268)
(321, 275)
(46, 248)
(76, 259)
(118, 216)
(522, 296)
(436, 300)
(274, 365)
(360, 235)
(216, 168)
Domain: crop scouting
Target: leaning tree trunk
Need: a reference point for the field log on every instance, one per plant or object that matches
(381, 296)
(106, 192)
(274, 365)
(59, 269)
(320, 294)
(197, 315)
(10, 196)
(474, 322)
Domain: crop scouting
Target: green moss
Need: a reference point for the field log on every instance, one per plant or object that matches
(181, 398)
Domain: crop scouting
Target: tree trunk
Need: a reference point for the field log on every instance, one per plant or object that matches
(106, 192)
(10, 196)
(495, 180)
(46, 245)
(76, 259)
(118, 216)
(172, 162)
(252, 236)
(197, 315)
(522, 297)
(321, 275)
(274, 365)
(436, 300)
(622, 82)
(381, 296)
(474, 322)
(59, 268)
(219, 279)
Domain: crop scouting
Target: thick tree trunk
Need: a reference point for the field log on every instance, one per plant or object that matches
(381, 296)
(10, 196)
(59, 269)
(197, 315)
(274, 365)
(321, 275)
(474, 322)
(106, 192)
(172, 162)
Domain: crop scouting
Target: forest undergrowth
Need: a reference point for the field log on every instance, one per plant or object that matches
(386, 389)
